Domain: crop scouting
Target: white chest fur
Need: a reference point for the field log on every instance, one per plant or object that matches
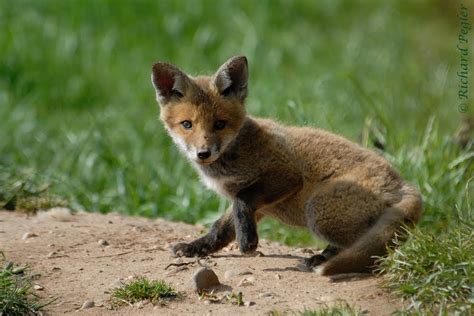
(216, 184)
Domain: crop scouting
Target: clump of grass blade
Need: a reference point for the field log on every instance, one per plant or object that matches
(16, 296)
(435, 271)
(144, 289)
(339, 309)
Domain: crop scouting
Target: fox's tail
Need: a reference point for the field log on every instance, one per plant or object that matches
(360, 256)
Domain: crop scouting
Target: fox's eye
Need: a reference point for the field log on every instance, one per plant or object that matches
(187, 124)
(218, 125)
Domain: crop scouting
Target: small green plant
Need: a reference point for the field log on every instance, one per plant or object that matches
(19, 193)
(236, 298)
(339, 309)
(231, 298)
(156, 291)
(435, 271)
(16, 296)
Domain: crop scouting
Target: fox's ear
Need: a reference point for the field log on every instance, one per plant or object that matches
(231, 78)
(169, 82)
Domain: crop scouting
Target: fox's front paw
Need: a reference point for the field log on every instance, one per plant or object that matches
(182, 249)
(248, 243)
(189, 250)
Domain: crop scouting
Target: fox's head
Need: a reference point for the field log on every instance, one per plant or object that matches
(202, 114)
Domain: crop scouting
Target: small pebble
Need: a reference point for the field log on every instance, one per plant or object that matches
(249, 303)
(38, 287)
(207, 302)
(29, 235)
(55, 268)
(277, 276)
(307, 250)
(266, 294)
(327, 298)
(88, 304)
(18, 270)
(35, 276)
(231, 247)
(246, 281)
(103, 242)
(51, 254)
(204, 278)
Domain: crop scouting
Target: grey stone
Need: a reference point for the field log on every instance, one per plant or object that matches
(88, 304)
(29, 235)
(204, 278)
(249, 303)
(103, 242)
(247, 281)
(38, 287)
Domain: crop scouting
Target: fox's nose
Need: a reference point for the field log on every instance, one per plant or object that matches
(204, 154)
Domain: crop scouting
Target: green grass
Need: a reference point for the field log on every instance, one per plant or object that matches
(78, 115)
(16, 293)
(26, 195)
(435, 272)
(78, 111)
(156, 291)
(339, 309)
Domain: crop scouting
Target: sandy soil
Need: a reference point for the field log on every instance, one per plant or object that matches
(72, 266)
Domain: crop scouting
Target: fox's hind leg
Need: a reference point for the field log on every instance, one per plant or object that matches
(374, 233)
(326, 254)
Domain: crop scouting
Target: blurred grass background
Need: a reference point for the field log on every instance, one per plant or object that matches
(79, 119)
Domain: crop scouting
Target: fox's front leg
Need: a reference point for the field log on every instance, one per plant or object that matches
(245, 226)
(268, 191)
(220, 235)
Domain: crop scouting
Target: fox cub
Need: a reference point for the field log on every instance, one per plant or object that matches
(346, 195)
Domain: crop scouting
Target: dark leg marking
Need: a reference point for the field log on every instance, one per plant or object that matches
(220, 235)
(327, 253)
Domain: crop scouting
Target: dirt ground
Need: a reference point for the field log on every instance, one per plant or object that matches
(73, 266)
